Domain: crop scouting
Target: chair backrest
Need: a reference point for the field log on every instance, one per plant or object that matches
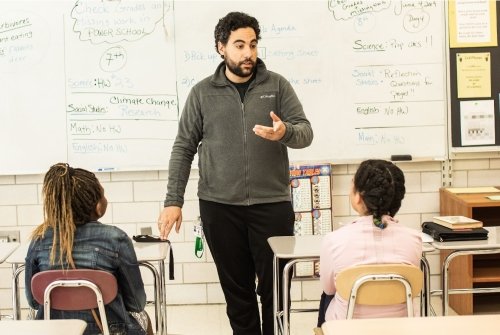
(380, 284)
(75, 289)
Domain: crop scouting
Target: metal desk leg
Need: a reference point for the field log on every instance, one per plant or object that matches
(444, 275)
(16, 308)
(286, 293)
(276, 311)
(158, 314)
(163, 295)
(425, 301)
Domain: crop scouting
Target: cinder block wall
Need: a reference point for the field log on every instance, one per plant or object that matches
(136, 198)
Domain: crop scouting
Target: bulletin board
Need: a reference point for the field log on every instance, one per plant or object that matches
(474, 71)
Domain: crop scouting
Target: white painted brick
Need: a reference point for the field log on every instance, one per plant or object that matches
(311, 290)
(134, 175)
(178, 273)
(6, 301)
(191, 189)
(420, 203)
(4, 180)
(177, 237)
(296, 290)
(18, 194)
(6, 277)
(470, 164)
(215, 294)
(135, 212)
(30, 215)
(186, 294)
(200, 273)
(419, 166)
(108, 216)
(129, 228)
(459, 179)
(118, 191)
(341, 205)
(8, 216)
(30, 179)
(150, 190)
(184, 253)
(431, 181)
(434, 262)
(495, 163)
(412, 182)
(409, 220)
(163, 174)
(339, 169)
(484, 178)
(191, 210)
(341, 184)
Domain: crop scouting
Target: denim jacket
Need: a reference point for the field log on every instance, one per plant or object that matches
(96, 246)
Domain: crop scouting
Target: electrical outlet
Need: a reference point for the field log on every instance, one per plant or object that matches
(9, 236)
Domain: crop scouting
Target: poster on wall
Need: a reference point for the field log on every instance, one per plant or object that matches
(310, 187)
(472, 23)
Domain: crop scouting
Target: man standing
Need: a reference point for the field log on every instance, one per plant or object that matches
(241, 120)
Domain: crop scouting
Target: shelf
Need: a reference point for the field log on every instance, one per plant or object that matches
(486, 275)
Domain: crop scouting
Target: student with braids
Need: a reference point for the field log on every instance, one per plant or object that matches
(71, 237)
(375, 237)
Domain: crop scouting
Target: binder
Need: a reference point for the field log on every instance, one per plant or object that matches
(444, 234)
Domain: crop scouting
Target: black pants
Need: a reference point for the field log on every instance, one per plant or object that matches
(323, 306)
(237, 238)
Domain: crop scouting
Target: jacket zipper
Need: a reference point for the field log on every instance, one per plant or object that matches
(246, 153)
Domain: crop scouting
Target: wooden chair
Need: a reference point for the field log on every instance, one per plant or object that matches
(380, 284)
(74, 290)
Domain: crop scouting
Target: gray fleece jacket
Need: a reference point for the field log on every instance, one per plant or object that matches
(236, 166)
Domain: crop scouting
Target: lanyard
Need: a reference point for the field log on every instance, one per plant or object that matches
(198, 233)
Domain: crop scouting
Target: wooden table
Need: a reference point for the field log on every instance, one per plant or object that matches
(43, 327)
(456, 325)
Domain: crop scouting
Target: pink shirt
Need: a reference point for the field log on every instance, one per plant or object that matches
(361, 242)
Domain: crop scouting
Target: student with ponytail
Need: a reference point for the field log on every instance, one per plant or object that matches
(376, 237)
(71, 237)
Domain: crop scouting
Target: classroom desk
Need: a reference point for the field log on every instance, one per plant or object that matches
(456, 325)
(146, 254)
(460, 248)
(7, 248)
(43, 327)
(295, 249)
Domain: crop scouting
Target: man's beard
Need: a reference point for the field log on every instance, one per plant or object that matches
(237, 70)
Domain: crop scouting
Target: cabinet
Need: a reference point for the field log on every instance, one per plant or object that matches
(477, 270)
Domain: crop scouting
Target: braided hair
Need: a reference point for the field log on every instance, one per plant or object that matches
(231, 22)
(70, 197)
(381, 185)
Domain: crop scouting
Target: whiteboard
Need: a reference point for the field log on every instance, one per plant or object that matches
(101, 84)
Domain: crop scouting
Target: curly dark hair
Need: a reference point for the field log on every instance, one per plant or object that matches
(231, 22)
(381, 185)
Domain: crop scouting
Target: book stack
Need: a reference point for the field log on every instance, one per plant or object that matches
(457, 222)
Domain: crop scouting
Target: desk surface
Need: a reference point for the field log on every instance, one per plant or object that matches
(493, 242)
(456, 325)
(43, 327)
(145, 252)
(306, 246)
(7, 248)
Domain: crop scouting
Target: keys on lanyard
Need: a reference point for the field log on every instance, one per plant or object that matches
(198, 233)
